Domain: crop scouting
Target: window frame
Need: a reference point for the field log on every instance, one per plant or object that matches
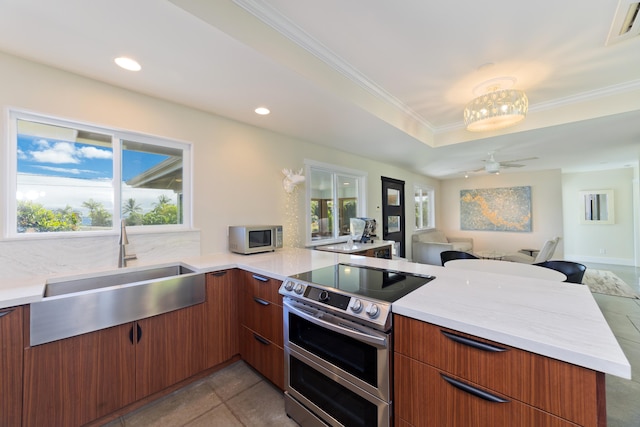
(361, 179)
(430, 193)
(117, 136)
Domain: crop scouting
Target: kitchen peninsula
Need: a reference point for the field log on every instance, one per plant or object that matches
(376, 249)
(551, 321)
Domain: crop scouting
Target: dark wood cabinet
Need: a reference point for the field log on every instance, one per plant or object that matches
(426, 398)
(73, 381)
(222, 316)
(11, 335)
(170, 348)
(261, 331)
(446, 378)
(76, 380)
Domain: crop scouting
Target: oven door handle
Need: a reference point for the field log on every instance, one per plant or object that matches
(355, 334)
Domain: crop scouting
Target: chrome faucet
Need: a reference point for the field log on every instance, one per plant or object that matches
(124, 241)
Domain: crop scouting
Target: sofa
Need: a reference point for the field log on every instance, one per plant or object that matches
(426, 245)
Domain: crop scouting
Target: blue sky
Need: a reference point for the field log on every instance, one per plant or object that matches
(57, 173)
(75, 160)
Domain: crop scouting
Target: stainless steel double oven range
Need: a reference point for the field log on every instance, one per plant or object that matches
(339, 344)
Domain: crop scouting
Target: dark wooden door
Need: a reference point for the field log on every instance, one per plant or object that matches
(171, 347)
(393, 212)
(76, 380)
(222, 316)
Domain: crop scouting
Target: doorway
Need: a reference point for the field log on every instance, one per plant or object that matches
(393, 212)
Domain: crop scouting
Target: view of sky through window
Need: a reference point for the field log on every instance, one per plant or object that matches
(68, 169)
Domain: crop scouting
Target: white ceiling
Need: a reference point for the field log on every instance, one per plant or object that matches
(388, 80)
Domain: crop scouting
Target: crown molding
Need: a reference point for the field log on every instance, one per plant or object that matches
(587, 96)
(283, 25)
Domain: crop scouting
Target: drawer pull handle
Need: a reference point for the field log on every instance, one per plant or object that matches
(261, 301)
(473, 343)
(4, 313)
(474, 391)
(219, 273)
(260, 278)
(260, 339)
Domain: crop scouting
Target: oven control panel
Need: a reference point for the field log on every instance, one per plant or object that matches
(352, 307)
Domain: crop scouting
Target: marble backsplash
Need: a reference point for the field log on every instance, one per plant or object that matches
(47, 256)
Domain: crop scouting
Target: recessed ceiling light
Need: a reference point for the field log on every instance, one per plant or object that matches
(128, 63)
(262, 111)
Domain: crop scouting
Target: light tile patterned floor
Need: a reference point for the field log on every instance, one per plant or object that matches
(234, 396)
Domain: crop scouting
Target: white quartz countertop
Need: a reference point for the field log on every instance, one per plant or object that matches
(554, 319)
(347, 248)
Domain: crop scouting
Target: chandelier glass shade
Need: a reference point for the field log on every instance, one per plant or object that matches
(496, 110)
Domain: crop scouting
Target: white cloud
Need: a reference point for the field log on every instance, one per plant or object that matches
(65, 152)
(73, 171)
(60, 152)
(43, 143)
(94, 153)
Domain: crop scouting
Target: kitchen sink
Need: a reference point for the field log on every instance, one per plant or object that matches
(81, 304)
(119, 277)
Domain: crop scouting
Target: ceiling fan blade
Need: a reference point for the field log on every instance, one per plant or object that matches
(510, 165)
(519, 160)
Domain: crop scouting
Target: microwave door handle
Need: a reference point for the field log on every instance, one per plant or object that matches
(357, 335)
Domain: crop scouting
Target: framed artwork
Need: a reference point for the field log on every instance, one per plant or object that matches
(496, 209)
(596, 207)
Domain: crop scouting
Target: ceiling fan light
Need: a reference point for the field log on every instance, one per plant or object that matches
(492, 167)
(496, 110)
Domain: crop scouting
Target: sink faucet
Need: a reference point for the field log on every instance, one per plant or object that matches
(124, 241)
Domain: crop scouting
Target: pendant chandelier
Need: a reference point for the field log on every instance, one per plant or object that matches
(496, 109)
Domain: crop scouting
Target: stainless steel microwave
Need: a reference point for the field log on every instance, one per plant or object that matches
(251, 239)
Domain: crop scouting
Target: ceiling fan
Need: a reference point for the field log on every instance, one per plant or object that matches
(491, 165)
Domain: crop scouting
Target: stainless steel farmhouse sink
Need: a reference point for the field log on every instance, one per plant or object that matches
(77, 305)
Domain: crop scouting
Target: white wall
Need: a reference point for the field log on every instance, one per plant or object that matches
(237, 168)
(603, 243)
(547, 210)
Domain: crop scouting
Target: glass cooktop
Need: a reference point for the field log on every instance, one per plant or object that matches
(369, 282)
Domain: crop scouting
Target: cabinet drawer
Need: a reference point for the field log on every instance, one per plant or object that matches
(425, 398)
(266, 357)
(263, 287)
(543, 382)
(262, 316)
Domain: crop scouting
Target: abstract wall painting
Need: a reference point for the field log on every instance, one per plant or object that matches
(496, 209)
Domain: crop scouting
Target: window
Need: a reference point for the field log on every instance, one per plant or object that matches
(68, 177)
(423, 197)
(334, 195)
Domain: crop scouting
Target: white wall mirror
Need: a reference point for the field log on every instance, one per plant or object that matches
(596, 207)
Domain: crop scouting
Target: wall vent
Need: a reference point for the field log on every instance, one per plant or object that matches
(625, 23)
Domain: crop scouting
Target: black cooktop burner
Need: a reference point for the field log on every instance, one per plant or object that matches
(370, 282)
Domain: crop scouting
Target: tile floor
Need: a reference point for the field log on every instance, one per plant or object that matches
(623, 316)
(238, 396)
(233, 397)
